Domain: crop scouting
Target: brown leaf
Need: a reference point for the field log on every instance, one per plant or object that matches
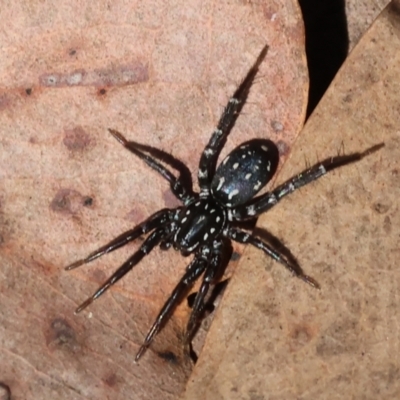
(274, 337)
(360, 14)
(160, 73)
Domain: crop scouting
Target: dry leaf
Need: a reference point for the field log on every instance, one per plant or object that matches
(160, 73)
(274, 337)
(360, 14)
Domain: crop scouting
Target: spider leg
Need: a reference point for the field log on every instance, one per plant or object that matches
(151, 241)
(211, 273)
(157, 219)
(193, 271)
(185, 176)
(263, 203)
(228, 118)
(177, 187)
(244, 237)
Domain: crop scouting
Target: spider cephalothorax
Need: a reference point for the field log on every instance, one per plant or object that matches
(206, 220)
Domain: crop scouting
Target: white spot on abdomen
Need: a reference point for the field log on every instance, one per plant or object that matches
(233, 193)
(257, 185)
(225, 161)
(220, 183)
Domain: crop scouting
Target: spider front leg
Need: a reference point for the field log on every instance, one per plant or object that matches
(263, 203)
(193, 271)
(177, 187)
(231, 112)
(244, 237)
(148, 245)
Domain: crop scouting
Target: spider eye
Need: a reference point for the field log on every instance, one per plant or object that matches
(244, 172)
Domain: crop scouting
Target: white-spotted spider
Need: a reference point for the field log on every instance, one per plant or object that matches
(206, 220)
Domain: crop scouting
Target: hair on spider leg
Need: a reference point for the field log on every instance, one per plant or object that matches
(257, 80)
(207, 222)
(345, 159)
(340, 152)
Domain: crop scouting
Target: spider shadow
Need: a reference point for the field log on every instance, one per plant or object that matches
(279, 247)
(327, 44)
(185, 175)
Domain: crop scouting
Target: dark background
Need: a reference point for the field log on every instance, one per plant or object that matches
(327, 43)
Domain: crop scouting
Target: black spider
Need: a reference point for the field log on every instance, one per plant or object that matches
(206, 220)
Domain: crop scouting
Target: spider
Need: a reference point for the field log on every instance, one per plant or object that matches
(208, 220)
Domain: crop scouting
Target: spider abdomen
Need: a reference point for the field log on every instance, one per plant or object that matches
(199, 223)
(244, 172)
